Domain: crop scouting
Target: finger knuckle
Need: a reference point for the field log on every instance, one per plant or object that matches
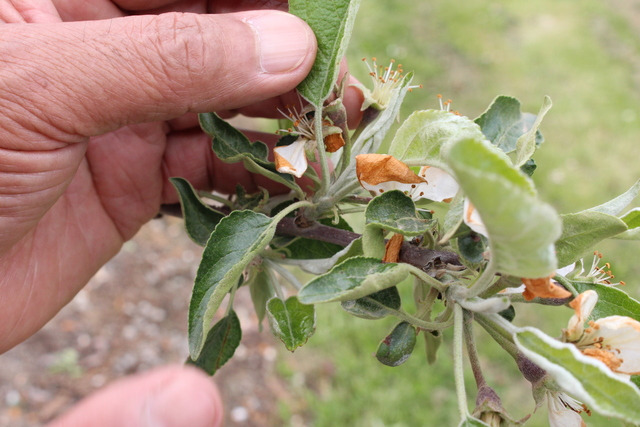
(182, 47)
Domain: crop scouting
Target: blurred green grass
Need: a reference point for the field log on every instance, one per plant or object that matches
(586, 56)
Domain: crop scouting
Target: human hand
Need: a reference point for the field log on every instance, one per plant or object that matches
(93, 123)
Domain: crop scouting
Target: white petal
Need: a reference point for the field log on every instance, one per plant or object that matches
(415, 191)
(621, 335)
(291, 158)
(441, 186)
(583, 305)
(566, 269)
(513, 291)
(472, 219)
(563, 410)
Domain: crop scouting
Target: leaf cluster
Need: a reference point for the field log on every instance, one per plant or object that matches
(466, 255)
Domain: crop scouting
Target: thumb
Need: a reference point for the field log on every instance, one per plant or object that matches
(87, 78)
(173, 396)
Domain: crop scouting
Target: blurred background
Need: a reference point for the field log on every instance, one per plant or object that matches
(132, 316)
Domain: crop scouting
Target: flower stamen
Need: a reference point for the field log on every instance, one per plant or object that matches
(303, 125)
(385, 81)
(446, 105)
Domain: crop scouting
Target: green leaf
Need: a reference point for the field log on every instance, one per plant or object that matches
(237, 239)
(617, 205)
(332, 23)
(396, 348)
(629, 235)
(521, 227)
(250, 201)
(374, 306)
(229, 144)
(354, 278)
(527, 143)
(453, 217)
(508, 314)
(354, 249)
(611, 301)
(260, 288)
(472, 246)
(396, 212)
(199, 219)
(582, 231)
(529, 167)
(269, 170)
(418, 141)
(632, 218)
(584, 377)
(292, 322)
(222, 341)
(373, 244)
(321, 266)
(503, 123)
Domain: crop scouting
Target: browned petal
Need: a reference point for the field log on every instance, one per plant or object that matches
(392, 248)
(281, 162)
(377, 168)
(544, 288)
(604, 356)
(576, 303)
(333, 142)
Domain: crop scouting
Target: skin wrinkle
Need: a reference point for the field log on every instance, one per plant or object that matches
(28, 250)
(169, 64)
(41, 92)
(188, 53)
(16, 109)
(24, 307)
(68, 89)
(179, 41)
(86, 244)
(237, 81)
(54, 176)
(30, 183)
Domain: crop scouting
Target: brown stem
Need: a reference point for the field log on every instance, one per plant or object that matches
(426, 259)
(473, 351)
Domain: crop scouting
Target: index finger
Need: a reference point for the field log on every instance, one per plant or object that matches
(84, 10)
(89, 10)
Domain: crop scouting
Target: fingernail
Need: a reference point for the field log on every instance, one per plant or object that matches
(284, 41)
(183, 402)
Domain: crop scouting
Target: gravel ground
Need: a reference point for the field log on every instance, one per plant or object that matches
(131, 317)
